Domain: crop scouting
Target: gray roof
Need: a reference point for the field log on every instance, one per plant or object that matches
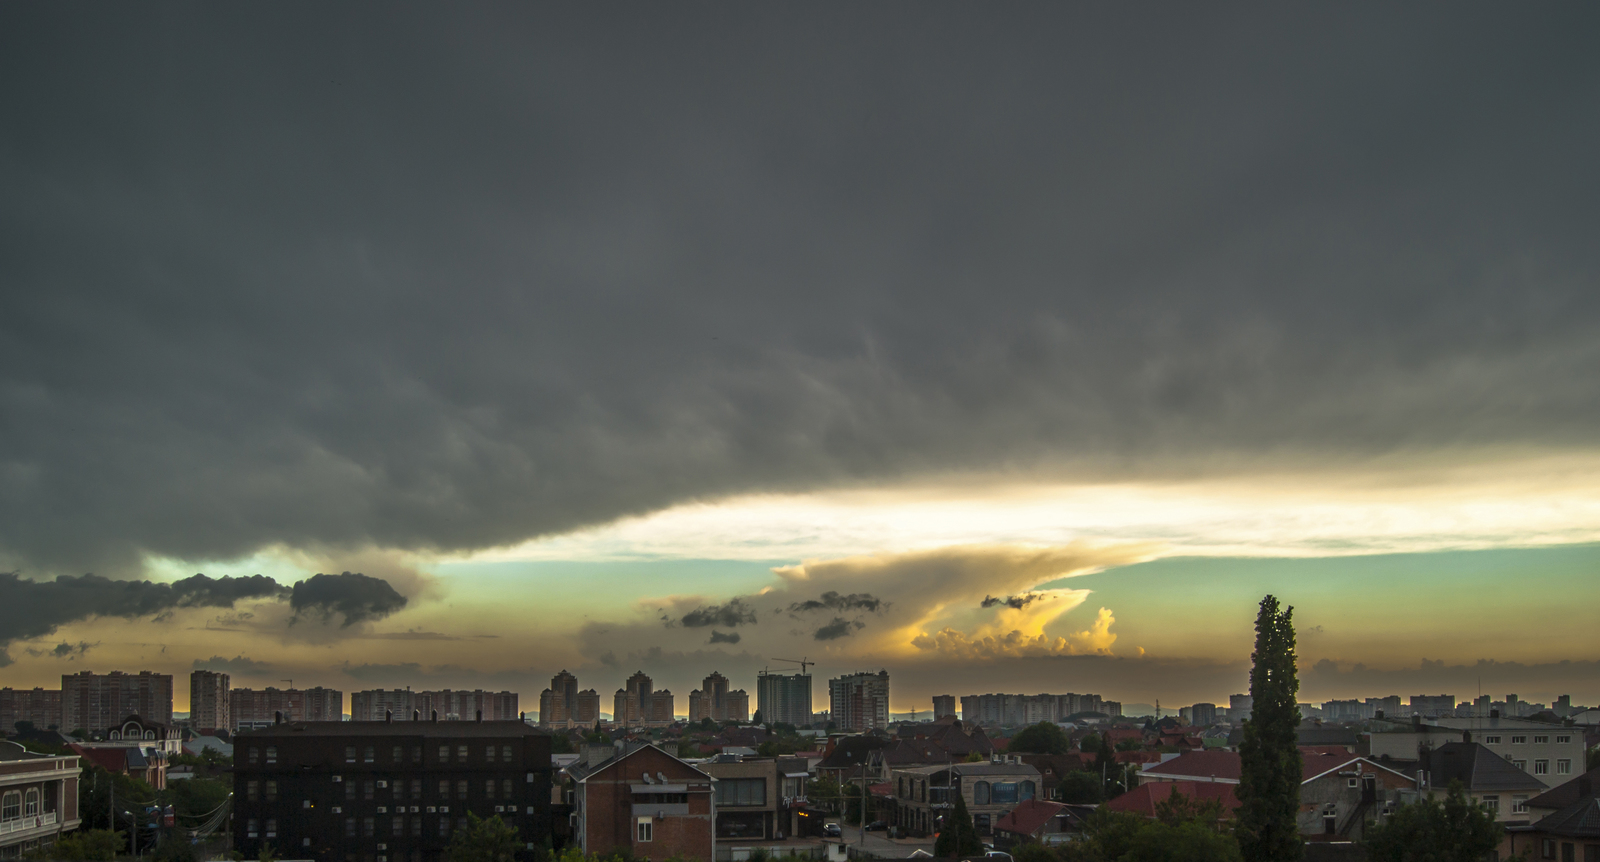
(1566, 794)
(452, 729)
(1581, 819)
(1477, 768)
(986, 768)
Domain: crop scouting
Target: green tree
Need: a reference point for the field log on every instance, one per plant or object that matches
(89, 845)
(1042, 738)
(1089, 743)
(489, 840)
(958, 837)
(1033, 851)
(1431, 831)
(1130, 745)
(758, 718)
(1178, 809)
(1080, 787)
(1189, 841)
(824, 791)
(1105, 763)
(975, 756)
(1269, 761)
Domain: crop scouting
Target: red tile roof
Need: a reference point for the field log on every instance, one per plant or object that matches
(1029, 817)
(1201, 764)
(1144, 798)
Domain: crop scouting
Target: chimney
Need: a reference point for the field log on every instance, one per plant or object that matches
(388, 716)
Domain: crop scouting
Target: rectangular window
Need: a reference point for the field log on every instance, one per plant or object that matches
(741, 791)
(1547, 848)
(444, 827)
(416, 754)
(349, 827)
(350, 754)
(416, 790)
(272, 754)
(366, 790)
(461, 754)
(371, 755)
(1349, 782)
(252, 828)
(255, 754)
(252, 790)
(1563, 740)
(1541, 767)
(444, 789)
(399, 753)
(368, 826)
(1519, 740)
(1520, 764)
(488, 754)
(1541, 740)
(461, 790)
(1519, 804)
(488, 789)
(1569, 852)
(444, 754)
(272, 827)
(1491, 740)
(350, 790)
(1591, 853)
(1563, 767)
(397, 828)
(505, 754)
(505, 789)
(1492, 804)
(1005, 793)
(646, 831)
(416, 827)
(272, 791)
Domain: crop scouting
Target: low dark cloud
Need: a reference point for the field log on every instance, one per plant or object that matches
(35, 609)
(734, 612)
(1019, 601)
(833, 601)
(840, 627)
(355, 597)
(236, 666)
(723, 637)
(1171, 249)
(68, 651)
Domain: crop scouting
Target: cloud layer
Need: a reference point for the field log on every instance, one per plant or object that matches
(452, 279)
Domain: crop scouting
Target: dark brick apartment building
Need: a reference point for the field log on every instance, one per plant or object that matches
(375, 791)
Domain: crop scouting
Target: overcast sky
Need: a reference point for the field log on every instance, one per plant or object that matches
(563, 323)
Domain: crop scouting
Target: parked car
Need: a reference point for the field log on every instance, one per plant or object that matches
(877, 826)
(830, 830)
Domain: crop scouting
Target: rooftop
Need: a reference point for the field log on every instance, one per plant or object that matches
(426, 729)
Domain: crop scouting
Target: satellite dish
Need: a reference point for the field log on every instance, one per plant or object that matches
(648, 779)
(662, 776)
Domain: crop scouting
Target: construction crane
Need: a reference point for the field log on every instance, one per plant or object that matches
(803, 662)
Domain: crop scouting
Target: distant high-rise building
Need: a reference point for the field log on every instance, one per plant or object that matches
(639, 704)
(1239, 707)
(1563, 706)
(943, 705)
(1389, 705)
(558, 704)
(253, 708)
(208, 701)
(40, 706)
(859, 701)
(713, 700)
(95, 702)
(1433, 704)
(445, 704)
(1203, 714)
(784, 698)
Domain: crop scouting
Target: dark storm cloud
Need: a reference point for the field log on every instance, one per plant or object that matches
(832, 600)
(446, 278)
(64, 650)
(356, 597)
(236, 666)
(733, 613)
(840, 627)
(1018, 602)
(33, 609)
(723, 637)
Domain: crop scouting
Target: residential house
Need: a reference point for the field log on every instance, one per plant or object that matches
(1491, 780)
(849, 758)
(1552, 754)
(1569, 834)
(924, 795)
(38, 798)
(748, 800)
(645, 803)
(148, 764)
(1041, 822)
(1551, 801)
(1143, 799)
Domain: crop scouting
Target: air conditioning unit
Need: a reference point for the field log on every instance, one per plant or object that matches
(338, 810)
(382, 810)
(500, 809)
(338, 778)
(444, 809)
(432, 809)
(383, 784)
(413, 809)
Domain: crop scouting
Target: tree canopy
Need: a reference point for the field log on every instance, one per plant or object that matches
(1269, 757)
(958, 837)
(491, 840)
(1042, 738)
(1431, 831)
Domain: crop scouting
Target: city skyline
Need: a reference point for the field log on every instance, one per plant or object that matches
(1013, 350)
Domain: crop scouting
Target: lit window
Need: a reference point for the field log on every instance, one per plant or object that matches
(505, 788)
(646, 831)
(1563, 767)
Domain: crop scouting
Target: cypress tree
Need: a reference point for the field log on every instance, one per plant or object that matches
(1269, 759)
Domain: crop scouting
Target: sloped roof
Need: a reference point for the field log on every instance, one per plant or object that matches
(1201, 764)
(852, 751)
(1029, 817)
(1477, 768)
(1566, 794)
(1144, 798)
(1581, 819)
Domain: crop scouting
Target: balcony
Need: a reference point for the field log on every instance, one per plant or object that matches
(27, 823)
